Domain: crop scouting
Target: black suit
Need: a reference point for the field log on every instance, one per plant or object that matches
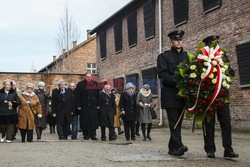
(167, 63)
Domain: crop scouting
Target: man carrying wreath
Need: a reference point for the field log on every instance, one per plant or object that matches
(223, 118)
(167, 63)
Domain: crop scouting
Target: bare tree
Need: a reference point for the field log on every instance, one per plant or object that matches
(67, 33)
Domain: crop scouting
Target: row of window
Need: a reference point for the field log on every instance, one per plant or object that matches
(149, 76)
(180, 17)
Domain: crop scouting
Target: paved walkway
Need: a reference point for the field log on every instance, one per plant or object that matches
(52, 153)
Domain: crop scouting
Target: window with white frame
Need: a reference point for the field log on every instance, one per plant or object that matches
(91, 67)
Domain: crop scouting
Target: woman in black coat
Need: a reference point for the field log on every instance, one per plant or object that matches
(43, 97)
(62, 106)
(106, 112)
(9, 102)
(86, 98)
(129, 110)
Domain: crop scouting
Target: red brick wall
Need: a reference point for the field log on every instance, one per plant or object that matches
(50, 80)
(76, 61)
(230, 22)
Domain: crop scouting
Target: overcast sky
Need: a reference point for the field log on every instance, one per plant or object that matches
(28, 28)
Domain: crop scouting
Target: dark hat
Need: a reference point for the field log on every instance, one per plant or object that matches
(176, 35)
(208, 40)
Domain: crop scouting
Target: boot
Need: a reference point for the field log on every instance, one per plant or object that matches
(148, 131)
(143, 129)
(120, 131)
(50, 127)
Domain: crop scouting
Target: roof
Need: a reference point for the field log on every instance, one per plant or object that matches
(64, 54)
(119, 14)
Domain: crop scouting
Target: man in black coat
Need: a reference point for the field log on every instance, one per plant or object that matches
(224, 119)
(62, 107)
(86, 98)
(167, 63)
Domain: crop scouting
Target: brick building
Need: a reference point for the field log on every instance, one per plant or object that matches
(129, 41)
(78, 60)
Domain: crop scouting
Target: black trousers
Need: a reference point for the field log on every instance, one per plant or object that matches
(224, 119)
(129, 127)
(7, 130)
(89, 133)
(111, 132)
(175, 141)
(62, 131)
(29, 135)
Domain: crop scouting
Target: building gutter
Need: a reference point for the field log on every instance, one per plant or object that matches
(160, 51)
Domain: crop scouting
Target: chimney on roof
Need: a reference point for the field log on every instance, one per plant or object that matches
(74, 43)
(88, 34)
(64, 50)
(54, 58)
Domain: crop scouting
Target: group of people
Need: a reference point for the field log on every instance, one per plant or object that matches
(29, 109)
(65, 106)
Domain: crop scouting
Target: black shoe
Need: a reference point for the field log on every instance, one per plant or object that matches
(170, 152)
(149, 138)
(86, 138)
(230, 154)
(121, 132)
(133, 139)
(103, 138)
(210, 154)
(137, 134)
(94, 138)
(112, 138)
(181, 151)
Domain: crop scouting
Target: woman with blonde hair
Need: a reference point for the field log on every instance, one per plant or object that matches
(29, 111)
(117, 122)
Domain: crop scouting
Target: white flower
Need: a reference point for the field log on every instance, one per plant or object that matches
(202, 75)
(214, 81)
(214, 63)
(223, 70)
(228, 86)
(193, 75)
(193, 67)
(206, 63)
(205, 58)
(211, 56)
(226, 67)
(224, 76)
(228, 79)
(211, 76)
(215, 70)
(204, 70)
(224, 84)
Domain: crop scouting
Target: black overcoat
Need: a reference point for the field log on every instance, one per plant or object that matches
(167, 63)
(86, 97)
(62, 106)
(128, 104)
(107, 110)
(43, 97)
(8, 115)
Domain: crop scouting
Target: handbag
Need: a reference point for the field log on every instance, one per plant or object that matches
(153, 113)
(37, 120)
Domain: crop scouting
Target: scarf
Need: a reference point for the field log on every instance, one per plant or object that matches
(145, 92)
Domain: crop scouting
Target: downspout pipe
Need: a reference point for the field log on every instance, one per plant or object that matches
(160, 51)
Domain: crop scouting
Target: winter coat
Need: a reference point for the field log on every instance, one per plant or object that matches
(167, 63)
(26, 113)
(43, 97)
(86, 97)
(117, 123)
(107, 110)
(144, 112)
(8, 115)
(128, 104)
(62, 106)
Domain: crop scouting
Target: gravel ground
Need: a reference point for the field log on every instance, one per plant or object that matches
(52, 153)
